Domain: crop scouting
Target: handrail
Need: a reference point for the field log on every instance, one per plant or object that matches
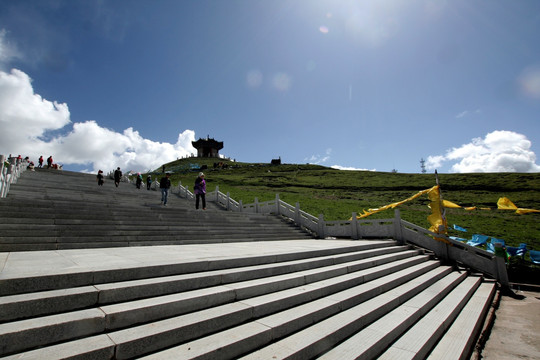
(455, 251)
(10, 170)
(396, 228)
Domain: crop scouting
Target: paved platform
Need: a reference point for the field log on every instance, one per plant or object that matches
(516, 331)
(56, 262)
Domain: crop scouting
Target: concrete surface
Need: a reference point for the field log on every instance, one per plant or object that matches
(15, 264)
(516, 330)
(515, 334)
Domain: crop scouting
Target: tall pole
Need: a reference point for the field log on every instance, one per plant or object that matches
(441, 204)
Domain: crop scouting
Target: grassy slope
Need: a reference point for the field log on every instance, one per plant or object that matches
(336, 194)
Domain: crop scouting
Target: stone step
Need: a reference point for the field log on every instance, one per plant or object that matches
(315, 340)
(127, 230)
(458, 341)
(64, 243)
(28, 305)
(129, 314)
(135, 341)
(418, 340)
(34, 332)
(82, 215)
(55, 280)
(303, 306)
(74, 210)
(134, 219)
(328, 315)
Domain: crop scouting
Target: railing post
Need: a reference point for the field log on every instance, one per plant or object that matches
(217, 194)
(12, 174)
(2, 177)
(240, 206)
(354, 227)
(256, 205)
(228, 200)
(322, 226)
(277, 204)
(398, 228)
(443, 245)
(502, 274)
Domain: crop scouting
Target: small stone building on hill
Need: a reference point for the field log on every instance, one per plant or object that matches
(207, 147)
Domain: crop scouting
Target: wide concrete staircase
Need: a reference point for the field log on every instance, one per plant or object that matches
(49, 209)
(327, 299)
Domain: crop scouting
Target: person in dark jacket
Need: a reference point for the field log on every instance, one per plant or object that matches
(164, 186)
(200, 191)
(138, 182)
(148, 181)
(117, 176)
(100, 178)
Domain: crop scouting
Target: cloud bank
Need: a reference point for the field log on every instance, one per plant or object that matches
(499, 151)
(28, 122)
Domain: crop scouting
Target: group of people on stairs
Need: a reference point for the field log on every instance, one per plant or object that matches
(164, 186)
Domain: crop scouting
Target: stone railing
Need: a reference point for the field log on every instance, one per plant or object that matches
(448, 250)
(454, 251)
(10, 170)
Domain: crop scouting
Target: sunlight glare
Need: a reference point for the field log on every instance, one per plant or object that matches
(281, 82)
(323, 29)
(529, 82)
(254, 79)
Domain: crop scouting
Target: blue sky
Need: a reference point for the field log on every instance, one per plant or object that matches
(374, 85)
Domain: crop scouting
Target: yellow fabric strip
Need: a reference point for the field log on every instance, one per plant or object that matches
(504, 203)
(451, 205)
(369, 212)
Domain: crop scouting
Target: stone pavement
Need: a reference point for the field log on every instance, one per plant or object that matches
(52, 262)
(516, 330)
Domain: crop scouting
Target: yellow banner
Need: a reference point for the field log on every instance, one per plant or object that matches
(393, 205)
(435, 219)
(451, 205)
(504, 203)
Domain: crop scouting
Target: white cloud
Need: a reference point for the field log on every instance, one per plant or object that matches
(8, 51)
(319, 159)
(467, 113)
(25, 119)
(499, 151)
(349, 168)
(462, 114)
(434, 161)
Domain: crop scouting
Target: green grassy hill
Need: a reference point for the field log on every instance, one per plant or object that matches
(337, 194)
